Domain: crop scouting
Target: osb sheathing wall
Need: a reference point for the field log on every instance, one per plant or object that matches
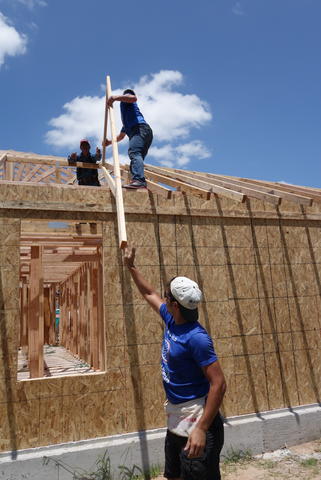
(259, 268)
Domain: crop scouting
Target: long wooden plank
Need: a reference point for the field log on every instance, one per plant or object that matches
(239, 197)
(314, 194)
(296, 198)
(35, 314)
(119, 196)
(109, 179)
(152, 186)
(103, 158)
(61, 162)
(266, 197)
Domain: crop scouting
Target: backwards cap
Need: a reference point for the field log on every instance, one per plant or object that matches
(186, 292)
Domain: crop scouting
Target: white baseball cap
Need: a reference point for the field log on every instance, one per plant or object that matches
(186, 292)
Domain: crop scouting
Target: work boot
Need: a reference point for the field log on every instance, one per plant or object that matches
(134, 184)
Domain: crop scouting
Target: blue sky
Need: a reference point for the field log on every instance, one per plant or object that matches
(230, 87)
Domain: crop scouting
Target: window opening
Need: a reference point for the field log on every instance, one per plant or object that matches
(61, 299)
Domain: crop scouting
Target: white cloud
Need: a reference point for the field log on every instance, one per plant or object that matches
(33, 3)
(180, 155)
(238, 9)
(12, 42)
(172, 115)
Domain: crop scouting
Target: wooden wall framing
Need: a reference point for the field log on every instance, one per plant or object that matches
(258, 264)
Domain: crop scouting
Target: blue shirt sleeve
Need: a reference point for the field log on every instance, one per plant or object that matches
(164, 313)
(202, 349)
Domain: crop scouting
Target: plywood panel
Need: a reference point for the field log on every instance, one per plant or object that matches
(215, 286)
(267, 315)
(240, 255)
(282, 315)
(9, 232)
(238, 233)
(142, 230)
(274, 380)
(301, 280)
(206, 232)
(142, 325)
(51, 420)
(247, 345)
(167, 230)
(9, 288)
(220, 318)
(231, 397)
(259, 233)
(183, 231)
(242, 281)
(264, 281)
(304, 313)
(251, 381)
(114, 325)
(290, 375)
(246, 320)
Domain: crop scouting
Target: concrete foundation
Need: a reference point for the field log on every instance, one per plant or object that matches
(256, 433)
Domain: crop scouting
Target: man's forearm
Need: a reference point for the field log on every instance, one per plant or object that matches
(213, 403)
(143, 286)
(125, 98)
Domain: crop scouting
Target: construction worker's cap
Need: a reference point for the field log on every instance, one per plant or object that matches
(84, 140)
(186, 292)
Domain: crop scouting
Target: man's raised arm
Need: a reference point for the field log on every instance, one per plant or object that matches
(147, 291)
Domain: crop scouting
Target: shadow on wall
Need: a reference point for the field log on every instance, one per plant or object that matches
(295, 294)
(135, 372)
(9, 378)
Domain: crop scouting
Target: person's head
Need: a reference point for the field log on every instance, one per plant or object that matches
(84, 146)
(183, 294)
(129, 91)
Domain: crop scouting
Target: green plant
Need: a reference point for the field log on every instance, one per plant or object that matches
(235, 456)
(268, 464)
(309, 462)
(134, 473)
(102, 470)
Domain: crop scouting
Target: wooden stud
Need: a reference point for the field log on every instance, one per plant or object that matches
(208, 186)
(291, 197)
(24, 316)
(35, 315)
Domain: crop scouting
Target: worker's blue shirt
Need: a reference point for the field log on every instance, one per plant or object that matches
(130, 116)
(186, 349)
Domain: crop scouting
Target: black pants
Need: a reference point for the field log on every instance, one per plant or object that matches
(206, 467)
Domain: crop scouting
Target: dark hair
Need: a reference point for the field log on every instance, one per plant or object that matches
(130, 91)
(187, 314)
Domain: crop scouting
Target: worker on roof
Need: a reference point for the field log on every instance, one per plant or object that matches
(86, 176)
(139, 133)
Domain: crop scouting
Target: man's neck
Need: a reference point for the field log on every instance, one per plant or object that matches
(179, 320)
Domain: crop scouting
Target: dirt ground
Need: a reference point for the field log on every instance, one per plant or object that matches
(302, 462)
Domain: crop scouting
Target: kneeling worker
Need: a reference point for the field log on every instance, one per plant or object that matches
(193, 380)
(86, 176)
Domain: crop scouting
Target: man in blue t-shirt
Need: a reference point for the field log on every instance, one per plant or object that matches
(193, 380)
(139, 133)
